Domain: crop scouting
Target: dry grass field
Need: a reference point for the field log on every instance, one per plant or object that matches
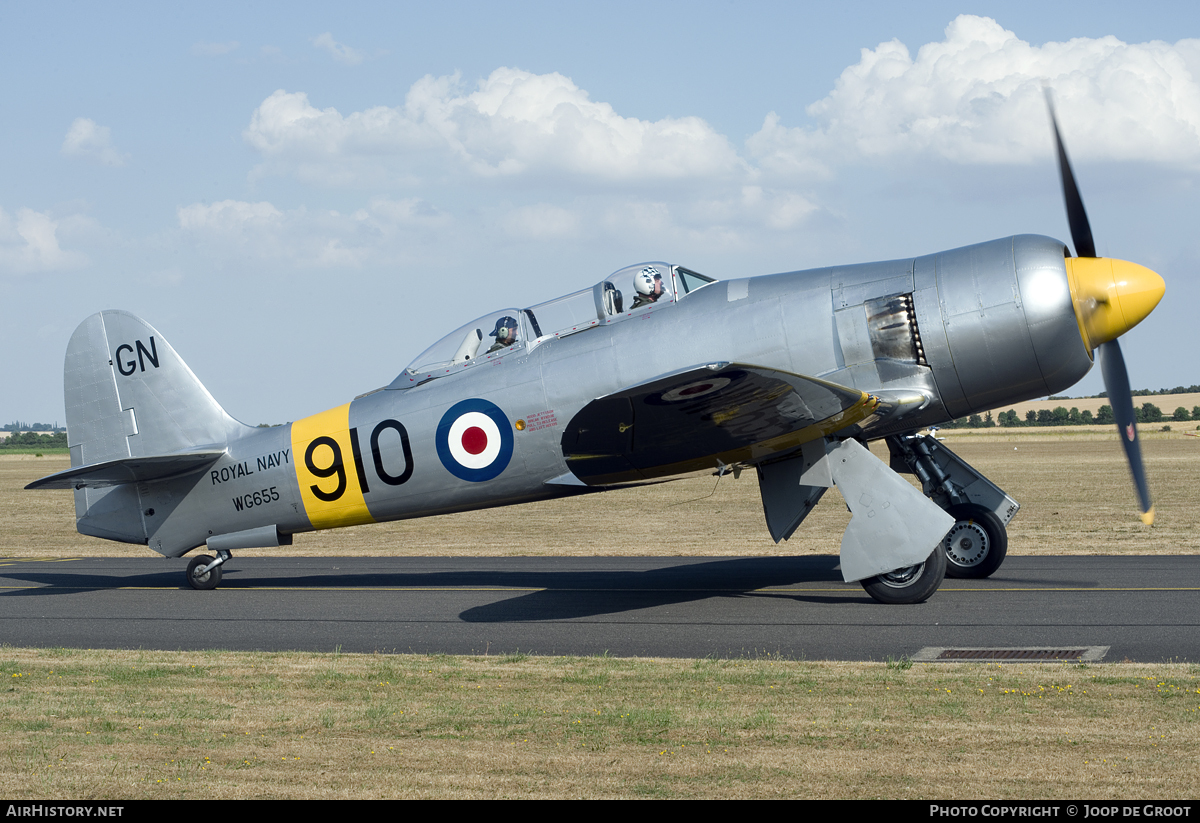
(1072, 483)
(90, 724)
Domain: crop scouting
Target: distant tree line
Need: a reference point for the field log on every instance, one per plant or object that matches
(18, 426)
(29, 439)
(1146, 392)
(1062, 416)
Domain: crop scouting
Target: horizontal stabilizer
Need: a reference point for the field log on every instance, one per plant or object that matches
(129, 470)
(702, 418)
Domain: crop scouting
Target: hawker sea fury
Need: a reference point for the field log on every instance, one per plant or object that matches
(653, 372)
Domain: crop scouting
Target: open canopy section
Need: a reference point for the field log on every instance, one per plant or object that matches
(632, 290)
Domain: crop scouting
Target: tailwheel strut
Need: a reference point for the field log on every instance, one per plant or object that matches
(204, 572)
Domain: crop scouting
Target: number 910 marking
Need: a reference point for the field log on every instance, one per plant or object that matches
(328, 461)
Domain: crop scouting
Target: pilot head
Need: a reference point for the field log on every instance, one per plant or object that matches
(648, 283)
(505, 331)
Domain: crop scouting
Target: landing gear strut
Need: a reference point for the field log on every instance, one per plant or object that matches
(978, 542)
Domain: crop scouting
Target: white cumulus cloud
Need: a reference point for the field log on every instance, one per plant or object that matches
(30, 244)
(515, 123)
(86, 139)
(976, 97)
(533, 157)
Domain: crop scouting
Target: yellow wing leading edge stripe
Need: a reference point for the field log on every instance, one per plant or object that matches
(324, 464)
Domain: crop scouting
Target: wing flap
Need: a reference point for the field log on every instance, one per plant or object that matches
(704, 417)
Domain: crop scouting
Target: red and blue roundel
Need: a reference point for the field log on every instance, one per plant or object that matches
(474, 440)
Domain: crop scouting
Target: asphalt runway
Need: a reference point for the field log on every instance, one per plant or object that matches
(1143, 609)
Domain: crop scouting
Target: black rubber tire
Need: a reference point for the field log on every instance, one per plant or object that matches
(977, 543)
(203, 582)
(914, 584)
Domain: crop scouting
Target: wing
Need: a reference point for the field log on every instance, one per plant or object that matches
(704, 417)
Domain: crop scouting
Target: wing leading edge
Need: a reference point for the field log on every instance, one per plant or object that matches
(703, 417)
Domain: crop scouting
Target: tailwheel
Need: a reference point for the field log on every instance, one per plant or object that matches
(911, 584)
(202, 580)
(977, 543)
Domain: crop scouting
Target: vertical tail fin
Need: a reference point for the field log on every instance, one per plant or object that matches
(128, 394)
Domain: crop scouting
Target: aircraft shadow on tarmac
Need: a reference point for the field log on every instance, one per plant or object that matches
(588, 594)
(560, 595)
(57, 584)
(563, 594)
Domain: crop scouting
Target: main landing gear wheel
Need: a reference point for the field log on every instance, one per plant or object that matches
(977, 543)
(912, 584)
(203, 581)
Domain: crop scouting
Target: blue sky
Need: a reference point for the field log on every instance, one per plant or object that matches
(301, 199)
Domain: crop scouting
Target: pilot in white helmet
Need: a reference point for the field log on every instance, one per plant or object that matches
(649, 286)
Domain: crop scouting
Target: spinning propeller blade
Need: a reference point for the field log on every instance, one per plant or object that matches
(1111, 297)
(1116, 381)
(1081, 230)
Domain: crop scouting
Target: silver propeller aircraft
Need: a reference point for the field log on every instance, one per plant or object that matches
(655, 371)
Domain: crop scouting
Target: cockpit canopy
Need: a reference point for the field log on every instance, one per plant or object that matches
(632, 290)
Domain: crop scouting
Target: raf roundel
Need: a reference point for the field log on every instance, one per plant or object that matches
(694, 390)
(474, 440)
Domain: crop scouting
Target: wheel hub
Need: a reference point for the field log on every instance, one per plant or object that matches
(902, 578)
(967, 543)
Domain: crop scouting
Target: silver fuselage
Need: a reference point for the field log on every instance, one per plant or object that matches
(981, 326)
